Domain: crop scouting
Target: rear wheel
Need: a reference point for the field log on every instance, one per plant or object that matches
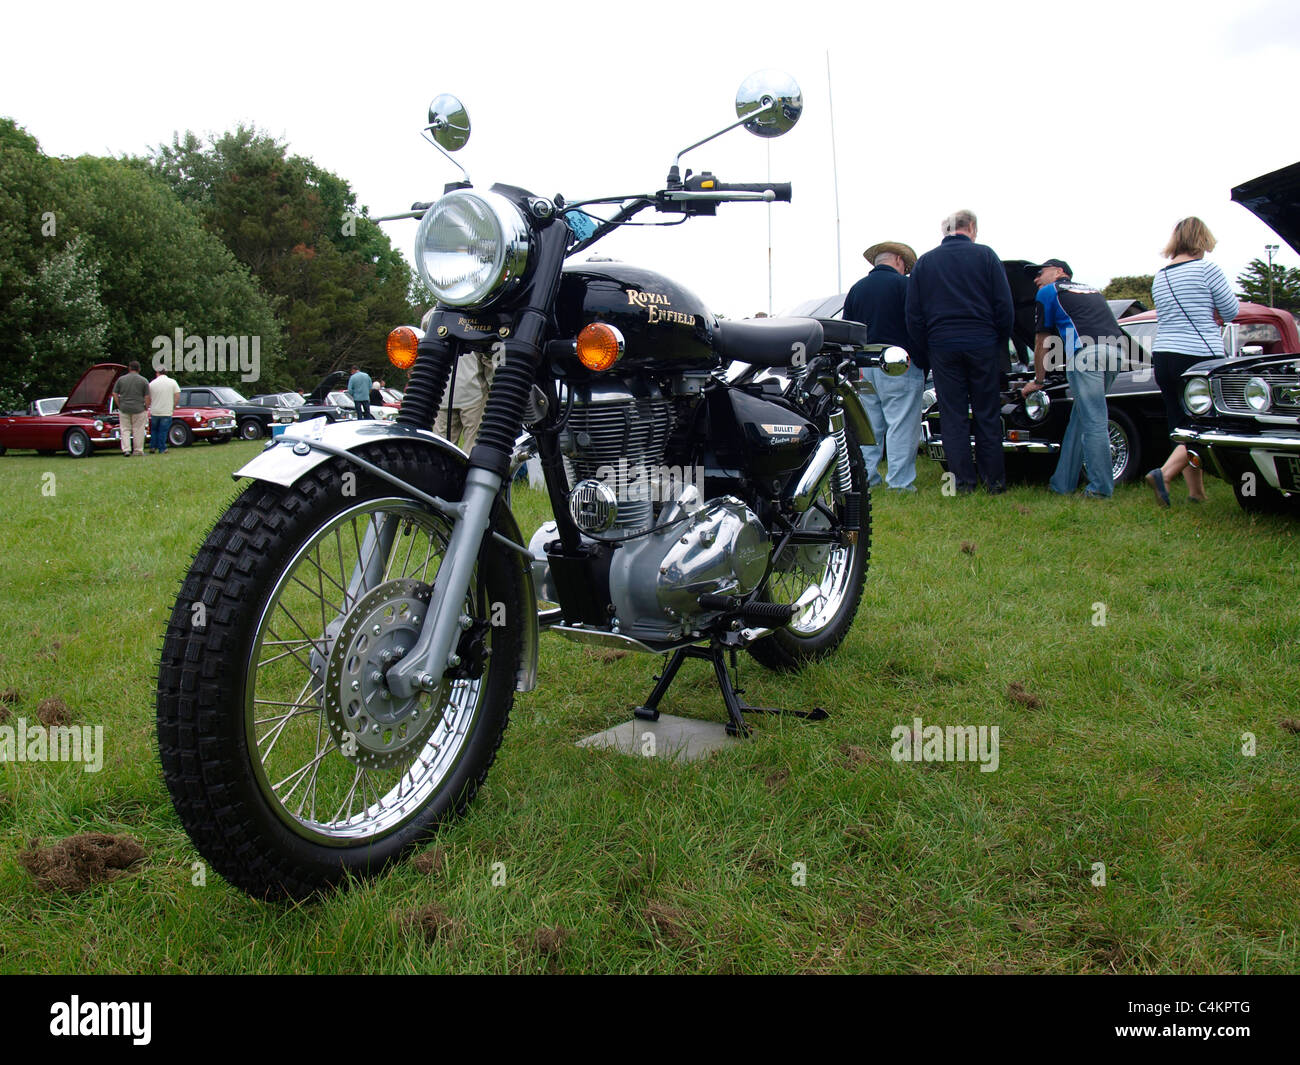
(290, 763)
(838, 570)
(77, 443)
(179, 435)
(250, 429)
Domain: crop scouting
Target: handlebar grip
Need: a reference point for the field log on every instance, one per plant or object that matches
(781, 188)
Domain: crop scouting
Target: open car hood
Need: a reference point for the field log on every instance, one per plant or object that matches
(1275, 200)
(328, 384)
(94, 388)
(1024, 293)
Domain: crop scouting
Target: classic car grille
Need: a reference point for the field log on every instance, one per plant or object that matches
(1230, 392)
(221, 423)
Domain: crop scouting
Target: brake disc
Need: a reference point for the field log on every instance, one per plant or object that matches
(373, 728)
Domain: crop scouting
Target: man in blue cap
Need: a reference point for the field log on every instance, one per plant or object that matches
(1076, 321)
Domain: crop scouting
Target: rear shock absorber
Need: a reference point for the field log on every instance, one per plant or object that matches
(843, 472)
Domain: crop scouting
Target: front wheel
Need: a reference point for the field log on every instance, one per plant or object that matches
(290, 763)
(838, 570)
(179, 435)
(250, 429)
(77, 443)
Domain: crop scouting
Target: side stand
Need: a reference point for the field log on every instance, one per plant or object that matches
(736, 710)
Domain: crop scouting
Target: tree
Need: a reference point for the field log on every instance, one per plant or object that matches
(338, 284)
(1286, 285)
(1134, 287)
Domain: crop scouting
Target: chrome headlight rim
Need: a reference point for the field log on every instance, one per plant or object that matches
(1197, 396)
(1258, 395)
(509, 240)
(1037, 404)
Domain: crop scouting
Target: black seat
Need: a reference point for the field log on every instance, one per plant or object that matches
(768, 341)
(844, 332)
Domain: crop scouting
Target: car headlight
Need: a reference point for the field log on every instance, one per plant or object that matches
(1196, 395)
(1036, 405)
(1258, 394)
(470, 246)
(99, 426)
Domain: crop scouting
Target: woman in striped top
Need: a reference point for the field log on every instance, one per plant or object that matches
(1187, 293)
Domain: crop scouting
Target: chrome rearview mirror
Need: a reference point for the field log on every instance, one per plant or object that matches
(770, 101)
(894, 361)
(448, 122)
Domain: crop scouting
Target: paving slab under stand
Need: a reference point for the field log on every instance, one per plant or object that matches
(681, 739)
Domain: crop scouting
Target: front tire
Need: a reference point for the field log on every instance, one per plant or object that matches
(251, 703)
(77, 444)
(179, 435)
(818, 630)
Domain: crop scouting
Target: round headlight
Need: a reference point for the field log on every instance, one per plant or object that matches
(99, 426)
(1036, 404)
(1196, 395)
(1258, 394)
(470, 245)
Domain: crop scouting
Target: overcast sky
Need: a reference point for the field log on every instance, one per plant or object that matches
(1078, 130)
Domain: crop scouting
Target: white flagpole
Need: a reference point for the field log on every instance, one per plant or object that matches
(768, 143)
(835, 174)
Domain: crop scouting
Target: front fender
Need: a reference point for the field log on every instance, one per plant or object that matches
(295, 453)
(855, 415)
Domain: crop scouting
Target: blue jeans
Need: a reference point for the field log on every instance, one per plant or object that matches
(1087, 438)
(159, 427)
(895, 414)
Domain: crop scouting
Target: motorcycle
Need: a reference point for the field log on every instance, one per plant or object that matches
(341, 662)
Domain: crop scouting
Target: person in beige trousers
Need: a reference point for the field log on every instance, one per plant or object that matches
(131, 391)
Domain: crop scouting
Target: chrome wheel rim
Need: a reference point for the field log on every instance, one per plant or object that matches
(77, 445)
(303, 691)
(829, 567)
(1119, 450)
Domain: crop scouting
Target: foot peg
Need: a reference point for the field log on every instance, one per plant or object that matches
(756, 615)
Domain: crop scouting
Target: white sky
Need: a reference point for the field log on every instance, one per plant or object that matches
(1079, 130)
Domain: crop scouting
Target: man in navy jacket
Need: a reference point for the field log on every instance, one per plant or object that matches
(894, 403)
(959, 310)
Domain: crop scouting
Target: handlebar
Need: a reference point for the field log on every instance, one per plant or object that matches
(780, 189)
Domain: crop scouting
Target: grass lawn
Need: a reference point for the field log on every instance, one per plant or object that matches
(806, 849)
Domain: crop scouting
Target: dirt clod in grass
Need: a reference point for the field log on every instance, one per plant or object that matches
(544, 941)
(4, 713)
(51, 652)
(668, 921)
(967, 547)
(78, 862)
(776, 781)
(1018, 693)
(53, 711)
(433, 923)
(1022, 509)
(431, 862)
(605, 654)
(11, 696)
(856, 756)
(1290, 724)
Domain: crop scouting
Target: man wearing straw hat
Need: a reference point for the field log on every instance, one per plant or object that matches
(893, 403)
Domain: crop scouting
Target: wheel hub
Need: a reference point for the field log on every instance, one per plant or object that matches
(372, 727)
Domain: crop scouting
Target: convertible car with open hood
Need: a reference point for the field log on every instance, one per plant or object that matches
(1243, 415)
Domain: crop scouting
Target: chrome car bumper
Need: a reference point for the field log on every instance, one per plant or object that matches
(932, 446)
(1213, 438)
(1277, 458)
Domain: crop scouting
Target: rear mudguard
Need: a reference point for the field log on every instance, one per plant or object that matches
(305, 446)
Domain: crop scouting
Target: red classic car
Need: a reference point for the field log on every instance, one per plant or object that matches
(88, 420)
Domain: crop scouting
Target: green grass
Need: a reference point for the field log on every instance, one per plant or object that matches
(1133, 759)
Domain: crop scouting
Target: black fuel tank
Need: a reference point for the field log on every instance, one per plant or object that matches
(667, 328)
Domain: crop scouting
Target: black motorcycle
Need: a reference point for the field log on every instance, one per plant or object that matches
(343, 655)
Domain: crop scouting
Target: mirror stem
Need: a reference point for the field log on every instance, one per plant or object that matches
(768, 104)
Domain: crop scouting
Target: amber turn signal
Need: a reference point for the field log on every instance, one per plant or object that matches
(600, 345)
(402, 343)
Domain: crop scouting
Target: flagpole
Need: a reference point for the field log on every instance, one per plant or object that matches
(835, 174)
(768, 142)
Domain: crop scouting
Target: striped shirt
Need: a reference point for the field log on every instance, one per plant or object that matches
(1186, 296)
